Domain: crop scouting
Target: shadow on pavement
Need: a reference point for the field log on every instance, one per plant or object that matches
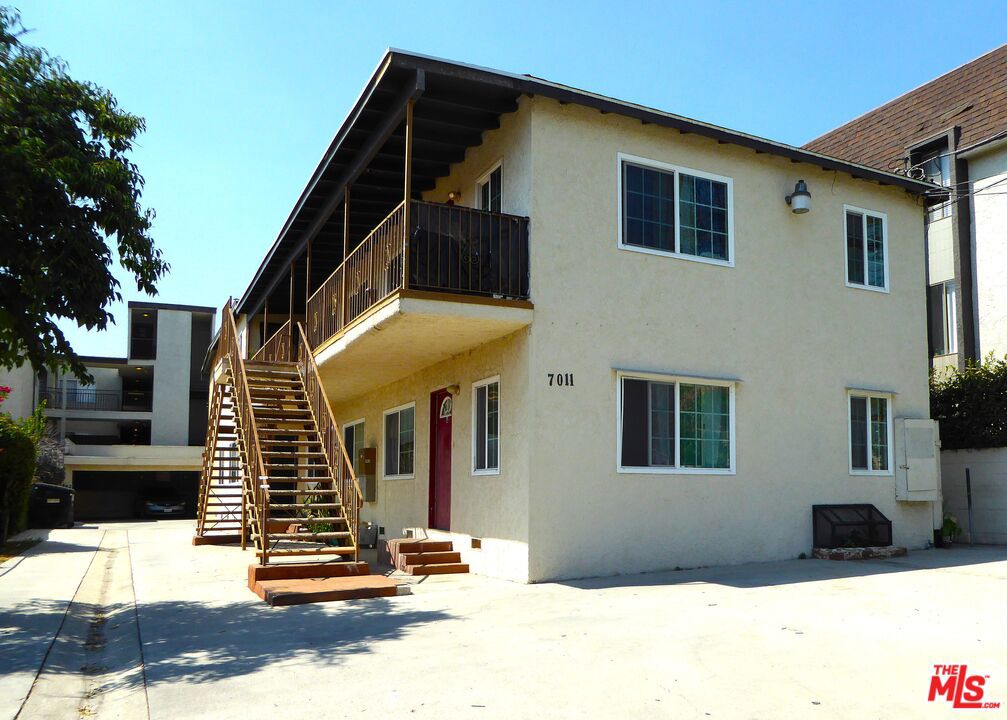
(199, 642)
(788, 572)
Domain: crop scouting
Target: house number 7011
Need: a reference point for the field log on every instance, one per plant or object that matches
(561, 379)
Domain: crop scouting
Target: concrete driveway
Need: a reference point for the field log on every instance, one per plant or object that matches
(158, 628)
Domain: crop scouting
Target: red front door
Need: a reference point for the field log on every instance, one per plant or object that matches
(440, 459)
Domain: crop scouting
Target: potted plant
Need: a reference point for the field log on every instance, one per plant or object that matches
(950, 530)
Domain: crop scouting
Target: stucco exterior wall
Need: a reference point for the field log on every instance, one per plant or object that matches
(509, 144)
(21, 381)
(989, 232)
(170, 423)
(782, 320)
(493, 508)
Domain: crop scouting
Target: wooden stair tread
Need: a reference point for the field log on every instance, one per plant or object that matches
(308, 590)
(437, 569)
(328, 550)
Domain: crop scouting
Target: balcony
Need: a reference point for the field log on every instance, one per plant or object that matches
(57, 398)
(457, 280)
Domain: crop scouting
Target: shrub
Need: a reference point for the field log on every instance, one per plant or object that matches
(971, 405)
(18, 450)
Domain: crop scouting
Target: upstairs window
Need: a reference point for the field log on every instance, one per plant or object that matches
(933, 164)
(870, 434)
(489, 190)
(399, 440)
(866, 249)
(675, 211)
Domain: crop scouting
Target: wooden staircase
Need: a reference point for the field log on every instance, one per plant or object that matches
(305, 511)
(275, 473)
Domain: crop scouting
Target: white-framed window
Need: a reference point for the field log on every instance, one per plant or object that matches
(866, 235)
(943, 318)
(870, 432)
(486, 426)
(489, 188)
(674, 424)
(400, 441)
(353, 441)
(676, 211)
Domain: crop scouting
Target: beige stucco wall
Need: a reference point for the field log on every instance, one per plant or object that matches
(491, 507)
(509, 144)
(782, 320)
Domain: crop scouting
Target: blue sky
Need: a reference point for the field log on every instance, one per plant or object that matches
(241, 98)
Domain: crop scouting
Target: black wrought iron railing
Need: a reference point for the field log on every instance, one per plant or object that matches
(95, 399)
(447, 249)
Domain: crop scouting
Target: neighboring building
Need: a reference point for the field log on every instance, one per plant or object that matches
(141, 424)
(952, 131)
(597, 339)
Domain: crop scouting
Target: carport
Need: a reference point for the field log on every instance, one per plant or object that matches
(117, 494)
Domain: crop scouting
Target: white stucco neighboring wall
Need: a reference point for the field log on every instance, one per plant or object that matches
(21, 401)
(988, 472)
(988, 174)
(782, 320)
(170, 423)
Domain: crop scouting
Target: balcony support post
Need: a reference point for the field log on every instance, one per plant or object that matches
(407, 192)
(265, 328)
(290, 310)
(307, 282)
(346, 253)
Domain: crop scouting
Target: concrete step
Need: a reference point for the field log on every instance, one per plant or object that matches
(437, 569)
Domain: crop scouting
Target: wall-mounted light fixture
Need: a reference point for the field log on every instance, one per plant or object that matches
(454, 196)
(800, 200)
(453, 389)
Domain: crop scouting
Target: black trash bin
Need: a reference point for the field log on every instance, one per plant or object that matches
(50, 506)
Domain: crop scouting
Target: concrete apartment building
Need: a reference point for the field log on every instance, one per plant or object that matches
(141, 423)
(580, 336)
(951, 131)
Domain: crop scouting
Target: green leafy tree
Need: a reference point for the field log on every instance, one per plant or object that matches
(68, 191)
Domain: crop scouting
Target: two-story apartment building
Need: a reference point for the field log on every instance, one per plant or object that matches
(140, 424)
(953, 132)
(583, 337)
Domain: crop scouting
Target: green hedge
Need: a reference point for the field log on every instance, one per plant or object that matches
(18, 450)
(971, 405)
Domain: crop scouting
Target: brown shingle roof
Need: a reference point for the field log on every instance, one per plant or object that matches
(973, 97)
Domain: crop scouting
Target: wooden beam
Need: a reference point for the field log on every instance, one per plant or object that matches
(290, 302)
(307, 281)
(407, 190)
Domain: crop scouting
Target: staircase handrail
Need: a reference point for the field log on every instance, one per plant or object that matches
(345, 480)
(243, 411)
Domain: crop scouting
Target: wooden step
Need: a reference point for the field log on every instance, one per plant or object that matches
(431, 558)
(293, 453)
(320, 478)
(301, 491)
(437, 569)
(302, 552)
(299, 592)
(301, 571)
(303, 506)
(421, 546)
(342, 534)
